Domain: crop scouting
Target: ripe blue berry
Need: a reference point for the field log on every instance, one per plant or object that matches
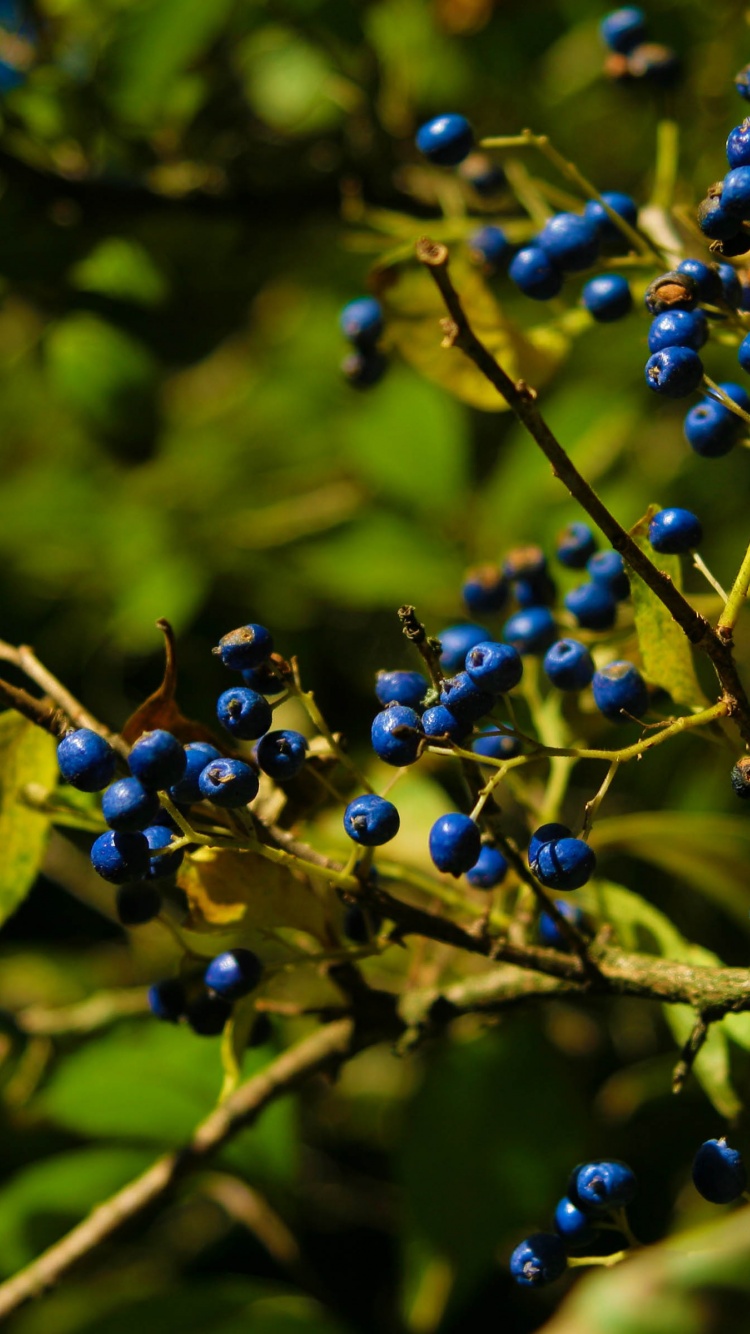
(531, 631)
(673, 531)
(158, 759)
(593, 605)
(244, 713)
(619, 203)
(263, 679)
(607, 297)
(166, 999)
(282, 754)
(535, 273)
(364, 368)
(86, 760)
(455, 642)
(730, 284)
(706, 279)
(620, 692)
(608, 567)
(715, 220)
(718, 1172)
(738, 144)
(244, 648)
(464, 697)
(601, 1186)
(743, 353)
(482, 174)
(569, 665)
(233, 974)
(440, 722)
(490, 247)
(735, 195)
(371, 820)
(489, 870)
(571, 1223)
(678, 328)
(228, 783)
(526, 568)
(485, 589)
(738, 395)
(159, 836)
(570, 240)
(674, 372)
(361, 321)
(538, 1260)
(127, 804)
(197, 755)
(564, 863)
(549, 932)
(119, 856)
(624, 29)
(675, 290)
(576, 544)
(397, 734)
(207, 1014)
(137, 904)
(455, 843)
(446, 140)
(712, 430)
(546, 833)
(496, 745)
(407, 688)
(494, 667)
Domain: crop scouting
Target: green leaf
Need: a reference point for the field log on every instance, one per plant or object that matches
(102, 372)
(27, 755)
(666, 653)
(219, 1305)
(291, 84)
(155, 41)
(120, 268)
(395, 562)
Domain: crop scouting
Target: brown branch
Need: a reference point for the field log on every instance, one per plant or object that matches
(27, 662)
(417, 635)
(522, 399)
(38, 711)
(689, 1053)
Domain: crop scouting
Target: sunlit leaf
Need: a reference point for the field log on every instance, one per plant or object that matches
(245, 890)
(121, 268)
(155, 40)
(27, 755)
(666, 653)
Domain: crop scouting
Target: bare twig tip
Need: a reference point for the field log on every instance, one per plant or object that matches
(432, 253)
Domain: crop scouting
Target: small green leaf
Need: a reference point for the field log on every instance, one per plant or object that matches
(27, 755)
(154, 42)
(666, 653)
(120, 268)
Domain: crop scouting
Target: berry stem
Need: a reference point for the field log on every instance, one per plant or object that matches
(735, 600)
(700, 565)
(717, 392)
(592, 806)
(689, 1054)
(666, 164)
(607, 1261)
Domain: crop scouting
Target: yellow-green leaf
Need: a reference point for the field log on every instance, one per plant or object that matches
(666, 654)
(252, 896)
(27, 755)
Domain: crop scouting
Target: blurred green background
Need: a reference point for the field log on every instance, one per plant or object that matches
(177, 441)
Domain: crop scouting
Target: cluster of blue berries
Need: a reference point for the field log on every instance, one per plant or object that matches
(631, 56)
(361, 321)
(205, 999)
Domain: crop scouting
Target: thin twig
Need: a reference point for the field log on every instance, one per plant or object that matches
(689, 1054)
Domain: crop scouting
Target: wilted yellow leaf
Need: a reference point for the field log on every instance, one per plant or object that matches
(251, 895)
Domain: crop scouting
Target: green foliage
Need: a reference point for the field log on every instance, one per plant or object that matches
(27, 755)
(667, 659)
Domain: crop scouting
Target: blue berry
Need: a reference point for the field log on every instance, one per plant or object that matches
(575, 545)
(735, 195)
(494, 667)
(127, 804)
(570, 240)
(86, 760)
(718, 1172)
(743, 353)
(619, 203)
(549, 932)
(546, 833)
(620, 692)
(166, 1000)
(489, 870)
(526, 568)
(730, 285)
(485, 589)
(361, 321)
(531, 631)
(569, 665)
(263, 679)
(364, 368)
(742, 82)
(673, 531)
(228, 783)
(496, 745)
(607, 297)
(674, 372)
(119, 856)
(738, 394)
(159, 836)
(624, 29)
(158, 759)
(678, 328)
(244, 648)
(482, 174)
(706, 278)
(490, 247)
(571, 1223)
(538, 1260)
(446, 140)
(407, 688)
(535, 274)
(465, 698)
(244, 713)
(397, 734)
(674, 290)
(233, 974)
(137, 904)
(601, 1186)
(738, 144)
(593, 605)
(197, 755)
(207, 1014)
(608, 567)
(361, 924)
(715, 220)
(455, 642)
(371, 820)
(282, 754)
(455, 843)
(439, 722)
(732, 246)
(712, 430)
(564, 863)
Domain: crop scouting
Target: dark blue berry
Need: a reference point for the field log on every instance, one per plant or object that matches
(575, 545)
(619, 203)
(137, 904)
(538, 1260)
(127, 804)
(485, 589)
(712, 430)
(743, 353)
(608, 567)
(620, 692)
(674, 372)
(244, 713)
(490, 247)
(233, 974)
(735, 195)
(364, 368)
(158, 759)
(455, 642)
(593, 605)
(674, 531)
(607, 297)
(361, 924)
(244, 648)
(465, 698)
(531, 631)
(706, 279)
(549, 932)
(571, 1223)
(439, 722)
(678, 328)
(120, 856)
(564, 863)
(166, 999)
(482, 174)
(624, 29)
(446, 140)
(526, 568)
(738, 395)
(738, 144)
(730, 285)
(718, 1172)
(455, 843)
(228, 783)
(263, 679)
(569, 665)
(715, 220)
(371, 820)
(197, 755)
(496, 745)
(742, 83)
(570, 240)
(159, 836)
(674, 290)
(207, 1014)
(535, 273)
(489, 870)
(282, 754)
(361, 321)
(732, 246)
(546, 833)
(86, 760)
(601, 1186)
(407, 688)
(494, 667)
(397, 734)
